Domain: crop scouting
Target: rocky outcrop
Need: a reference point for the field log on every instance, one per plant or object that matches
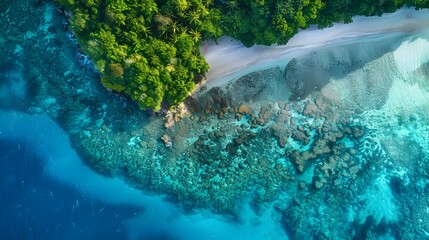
(261, 85)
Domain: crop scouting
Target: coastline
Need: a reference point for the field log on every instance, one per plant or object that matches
(229, 59)
(358, 140)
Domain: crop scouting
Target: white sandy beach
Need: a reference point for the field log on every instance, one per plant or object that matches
(230, 59)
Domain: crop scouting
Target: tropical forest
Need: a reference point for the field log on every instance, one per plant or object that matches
(149, 50)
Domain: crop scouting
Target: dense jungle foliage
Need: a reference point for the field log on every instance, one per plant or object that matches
(149, 49)
(146, 49)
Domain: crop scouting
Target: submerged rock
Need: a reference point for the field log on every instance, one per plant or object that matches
(245, 109)
(238, 141)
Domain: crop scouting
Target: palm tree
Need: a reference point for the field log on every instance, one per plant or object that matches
(208, 3)
(183, 31)
(174, 27)
(232, 5)
(196, 36)
(163, 20)
(144, 30)
(203, 11)
(194, 17)
(163, 23)
(181, 5)
(174, 38)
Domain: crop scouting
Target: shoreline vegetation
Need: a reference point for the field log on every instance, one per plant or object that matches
(150, 50)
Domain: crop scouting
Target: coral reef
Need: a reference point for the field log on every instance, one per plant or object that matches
(326, 159)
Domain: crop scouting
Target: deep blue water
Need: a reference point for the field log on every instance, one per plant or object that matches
(48, 193)
(33, 206)
(57, 197)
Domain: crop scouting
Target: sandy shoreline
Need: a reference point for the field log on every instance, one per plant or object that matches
(230, 59)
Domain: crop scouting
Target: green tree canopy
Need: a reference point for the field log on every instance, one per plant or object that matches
(149, 49)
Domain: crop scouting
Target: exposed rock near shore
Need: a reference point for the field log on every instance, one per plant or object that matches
(261, 85)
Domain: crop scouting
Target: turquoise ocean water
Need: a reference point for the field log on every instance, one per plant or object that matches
(372, 183)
